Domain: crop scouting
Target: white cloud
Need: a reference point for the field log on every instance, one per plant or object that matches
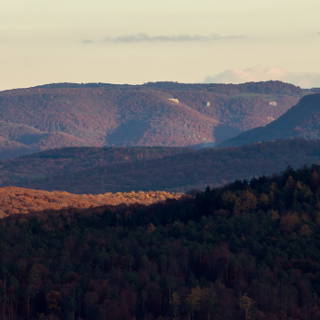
(145, 38)
(302, 79)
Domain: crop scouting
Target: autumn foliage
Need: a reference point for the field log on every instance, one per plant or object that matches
(15, 200)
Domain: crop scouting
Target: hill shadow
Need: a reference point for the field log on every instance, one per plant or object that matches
(126, 133)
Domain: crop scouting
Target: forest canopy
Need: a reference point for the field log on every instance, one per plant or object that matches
(250, 250)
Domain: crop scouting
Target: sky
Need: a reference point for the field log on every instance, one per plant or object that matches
(125, 41)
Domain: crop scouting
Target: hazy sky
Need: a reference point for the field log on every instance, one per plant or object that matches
(124, 41)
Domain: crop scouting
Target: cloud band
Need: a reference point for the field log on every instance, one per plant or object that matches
(145, 38)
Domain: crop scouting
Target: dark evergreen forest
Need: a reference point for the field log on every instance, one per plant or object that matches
(250, 250)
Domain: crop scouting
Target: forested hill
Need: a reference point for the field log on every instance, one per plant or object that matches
(100, 170)
(301, 121)
(15, 200)
(154, 114)
(250, 250)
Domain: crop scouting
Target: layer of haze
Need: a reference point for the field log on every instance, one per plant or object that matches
(122, 41)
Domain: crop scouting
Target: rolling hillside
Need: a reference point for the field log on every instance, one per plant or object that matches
(15, 200)
(302, 120)
(154, 114)
(99, 170)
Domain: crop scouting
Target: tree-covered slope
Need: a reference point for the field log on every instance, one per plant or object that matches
(246, 251)
(154, 114)
(302, 120)
(99, 170)
(14, 200)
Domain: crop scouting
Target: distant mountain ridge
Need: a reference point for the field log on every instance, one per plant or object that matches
(301, 121)
(153, 114)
